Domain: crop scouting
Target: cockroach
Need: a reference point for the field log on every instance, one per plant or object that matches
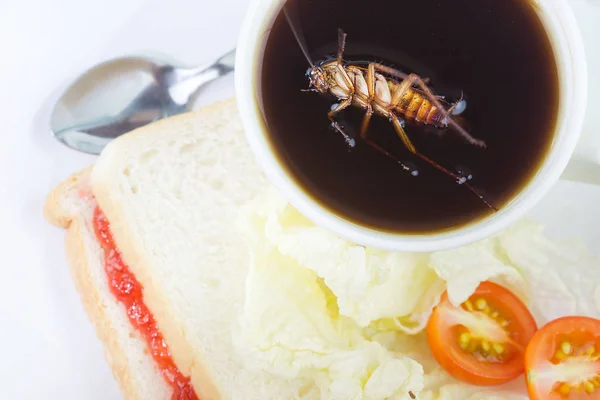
(386, 92)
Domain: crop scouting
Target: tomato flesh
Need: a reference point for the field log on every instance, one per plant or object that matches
(481, 342)
(563, 360)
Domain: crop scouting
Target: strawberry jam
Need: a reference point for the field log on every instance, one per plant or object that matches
(129, 292)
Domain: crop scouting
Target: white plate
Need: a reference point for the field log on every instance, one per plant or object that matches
(49, 349)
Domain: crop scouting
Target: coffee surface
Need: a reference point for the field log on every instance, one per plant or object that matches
(495, 52)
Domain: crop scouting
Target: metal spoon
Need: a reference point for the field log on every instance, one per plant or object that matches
(123, 94)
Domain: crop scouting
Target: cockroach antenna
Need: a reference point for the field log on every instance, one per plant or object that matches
(298, 35)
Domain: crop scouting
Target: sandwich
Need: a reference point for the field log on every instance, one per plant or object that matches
(202, 282)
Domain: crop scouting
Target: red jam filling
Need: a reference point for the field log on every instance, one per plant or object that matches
(129, 292)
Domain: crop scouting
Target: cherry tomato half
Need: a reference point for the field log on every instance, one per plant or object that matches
(483, 341)
(562, 360)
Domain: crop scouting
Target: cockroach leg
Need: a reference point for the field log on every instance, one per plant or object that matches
(371, 82)
(346, 78)
(341, 45)
(459, 179)
(365, 123)
(402, 134)
(458, 103)
(390, 71)
(344, 104)
(349, 141)
(451, 109)
(394, 72)
(401, 89)
(431, 97)
(352, 143)
(380, 149)
(371, 95)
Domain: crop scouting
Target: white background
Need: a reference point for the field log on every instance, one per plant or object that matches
(48, 348)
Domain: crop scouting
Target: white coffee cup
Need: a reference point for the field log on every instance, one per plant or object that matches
(567, 43)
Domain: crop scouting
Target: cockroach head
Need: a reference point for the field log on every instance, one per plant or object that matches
(317, 78)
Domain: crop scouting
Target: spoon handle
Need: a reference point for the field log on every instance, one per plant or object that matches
(186, 82)
(226, 63)
(199, 76)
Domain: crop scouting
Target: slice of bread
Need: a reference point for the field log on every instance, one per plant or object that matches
(171, 192)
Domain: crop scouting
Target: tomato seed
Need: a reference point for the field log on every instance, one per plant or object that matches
(469, 305)
(588, 386)
(481, 304)
(498, 348)
(564, 389)
(559, 355)
(485, 345)
(465, 338)
(566, 347)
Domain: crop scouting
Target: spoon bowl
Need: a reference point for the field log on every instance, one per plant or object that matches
(123, 94)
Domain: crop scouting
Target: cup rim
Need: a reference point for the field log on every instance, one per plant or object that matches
(564, 34)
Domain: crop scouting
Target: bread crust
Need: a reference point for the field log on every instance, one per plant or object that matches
(78, 257)
(55, 211)
(78, 266)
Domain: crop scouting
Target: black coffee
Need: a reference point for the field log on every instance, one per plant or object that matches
(496, 52)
